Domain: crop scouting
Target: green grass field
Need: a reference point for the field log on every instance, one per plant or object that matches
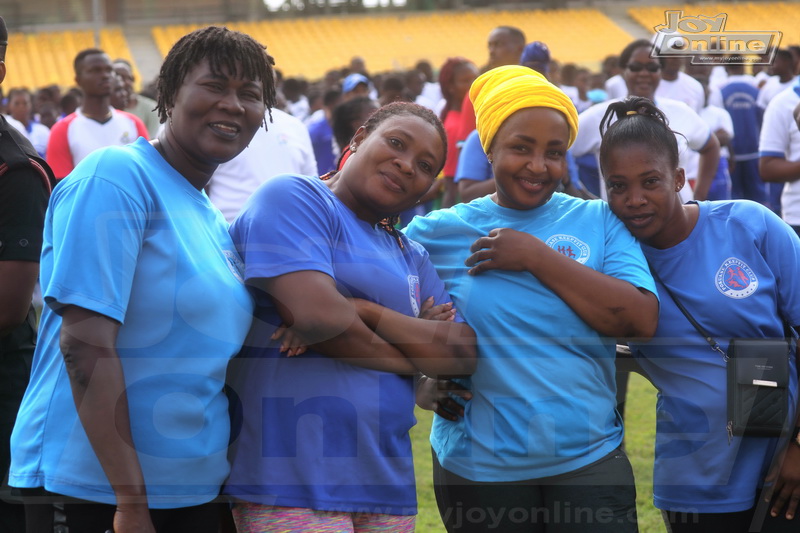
(639, 438)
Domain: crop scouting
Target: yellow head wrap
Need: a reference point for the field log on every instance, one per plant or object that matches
(498, 93)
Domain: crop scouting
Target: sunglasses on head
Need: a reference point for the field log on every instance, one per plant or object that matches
(651, 67)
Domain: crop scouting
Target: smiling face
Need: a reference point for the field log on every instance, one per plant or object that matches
(528, 157)
(215, 115)
(392, 168)
(643, 192)
(642, 74)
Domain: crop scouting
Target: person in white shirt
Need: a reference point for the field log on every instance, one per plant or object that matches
(20, 108)
(284, 147)
(779, 152)
(782, 75)
(642, 76)
(678, 85)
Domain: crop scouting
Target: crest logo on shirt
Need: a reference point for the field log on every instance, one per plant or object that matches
(235, 264)
(570, 246)
(413, 293)
(126, 138)
(735, 279)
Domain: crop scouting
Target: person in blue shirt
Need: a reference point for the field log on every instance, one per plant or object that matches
(548, 281)
(124, 425)
(322, 439)
(735, 266)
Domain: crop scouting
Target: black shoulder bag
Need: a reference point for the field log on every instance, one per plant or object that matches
(758, 381)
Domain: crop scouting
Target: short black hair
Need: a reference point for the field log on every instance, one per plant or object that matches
(224, 49)
(19, 90)
(627, 52)
(516, 34)
(76, 64)
(785, 54)
(343, 116)
(638, 121)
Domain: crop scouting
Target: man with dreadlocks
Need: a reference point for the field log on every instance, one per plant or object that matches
(128, 429)
(95, 123)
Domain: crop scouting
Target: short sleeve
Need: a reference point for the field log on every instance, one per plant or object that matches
(781, 249)
(23, 200)
(472, 161)
(693, 128)
(775, 130)
(93, 238)
(430, 282)
(286, 226)
(59, 156)
(624, 258)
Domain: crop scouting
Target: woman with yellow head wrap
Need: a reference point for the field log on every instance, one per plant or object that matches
(547, 281)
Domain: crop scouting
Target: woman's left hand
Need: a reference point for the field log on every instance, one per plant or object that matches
(444, 312)
(291, 343)
(504, 249)
(785, 481)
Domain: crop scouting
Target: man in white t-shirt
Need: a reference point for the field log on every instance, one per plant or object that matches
(677, 85)
(782, 75)
(779, 151)
(283, 148)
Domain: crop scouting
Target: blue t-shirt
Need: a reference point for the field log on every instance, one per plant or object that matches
(739, 99)
(544, 392)
(313, 431)
(321, 135)
(128, 237)
(739, 266)
(472, 161)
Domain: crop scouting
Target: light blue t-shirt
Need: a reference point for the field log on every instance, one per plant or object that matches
(128, 237)
(737, 269)
(544, 392)
(313, 431)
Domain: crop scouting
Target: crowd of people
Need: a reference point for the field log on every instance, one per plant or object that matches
(248, 281)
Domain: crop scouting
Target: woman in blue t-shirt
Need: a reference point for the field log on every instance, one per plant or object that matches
(735, 267)
(547, 281)
(322, 435)
(124, 425)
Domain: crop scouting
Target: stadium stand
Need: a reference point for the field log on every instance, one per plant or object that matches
(48, 56)
(309, 47)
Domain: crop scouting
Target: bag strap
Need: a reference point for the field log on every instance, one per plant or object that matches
(703, 333)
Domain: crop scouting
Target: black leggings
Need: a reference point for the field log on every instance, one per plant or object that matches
(598, 498)
(44, 510)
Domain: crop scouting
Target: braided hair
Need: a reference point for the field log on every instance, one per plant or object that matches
(376, 119)
(225, 49)
(637, 120)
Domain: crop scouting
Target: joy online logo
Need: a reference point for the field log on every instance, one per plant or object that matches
(705, 40)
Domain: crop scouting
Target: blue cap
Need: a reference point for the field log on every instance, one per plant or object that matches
(352, 81)
(536, 52)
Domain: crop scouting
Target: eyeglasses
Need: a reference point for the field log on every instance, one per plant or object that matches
(651, 67)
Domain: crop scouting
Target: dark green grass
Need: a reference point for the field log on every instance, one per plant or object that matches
(639, 438)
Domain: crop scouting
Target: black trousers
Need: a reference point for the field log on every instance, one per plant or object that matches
(45, 510)
(598, 498)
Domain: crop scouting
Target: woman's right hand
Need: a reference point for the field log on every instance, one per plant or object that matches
(437, 395)
(133, 518)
